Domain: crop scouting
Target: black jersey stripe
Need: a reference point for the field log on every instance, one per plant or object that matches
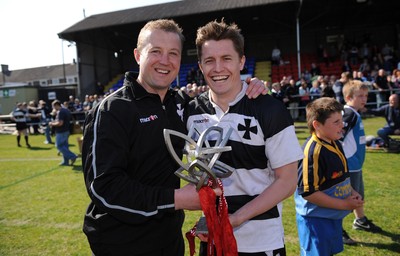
(236, 202)
(245, 156)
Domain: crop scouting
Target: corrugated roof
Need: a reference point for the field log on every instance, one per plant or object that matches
(39, 73)
(166, 10)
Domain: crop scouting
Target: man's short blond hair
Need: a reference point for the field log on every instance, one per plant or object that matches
(161, 24)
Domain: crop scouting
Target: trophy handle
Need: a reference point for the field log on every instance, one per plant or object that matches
(168, 142)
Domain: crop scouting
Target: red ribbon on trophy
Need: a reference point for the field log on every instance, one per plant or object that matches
(220, 231)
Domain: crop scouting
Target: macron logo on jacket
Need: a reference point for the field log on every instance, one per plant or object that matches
(148, 119)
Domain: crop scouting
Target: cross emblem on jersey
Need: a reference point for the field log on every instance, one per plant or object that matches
(247, 128)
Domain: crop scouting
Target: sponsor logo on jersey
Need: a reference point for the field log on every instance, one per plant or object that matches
(337, 174)
(148, 119)
(200, 121)
(343, 190)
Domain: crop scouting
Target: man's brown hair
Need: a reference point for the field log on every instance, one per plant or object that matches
(217, 31)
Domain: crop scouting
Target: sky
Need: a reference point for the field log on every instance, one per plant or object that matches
(29, 28)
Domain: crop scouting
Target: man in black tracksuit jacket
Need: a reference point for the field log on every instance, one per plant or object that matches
(136, 203)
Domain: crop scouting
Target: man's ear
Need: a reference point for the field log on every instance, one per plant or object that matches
(136, 54)
(199, 63)
(242, 62)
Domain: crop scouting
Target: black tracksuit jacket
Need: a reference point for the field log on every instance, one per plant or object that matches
(128, 171)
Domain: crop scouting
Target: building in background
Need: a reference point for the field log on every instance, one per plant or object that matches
(41, 83)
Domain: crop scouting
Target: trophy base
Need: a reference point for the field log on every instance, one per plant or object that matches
(201, 227)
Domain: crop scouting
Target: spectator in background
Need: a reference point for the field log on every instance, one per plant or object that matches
(315, 70)
(45, 113)
(70, 104)
(62, 129)
(326, 88)
(192, 90)
(95, 100)
(278, 93)
(87, 104)
(34, 118)
(332, 80)
(395, 80)
(19, 116)
(315, 90)
(276, 56)
(346, 67)
(65, 105)
(307, 76)
(304, 94)
(391, 112)
(292, 93)
(78, 105)
(338, 86)
(79, 108)
(360, 76)
(383, 86)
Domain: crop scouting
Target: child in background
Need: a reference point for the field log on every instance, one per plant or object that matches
(324, 195)
(355, 95)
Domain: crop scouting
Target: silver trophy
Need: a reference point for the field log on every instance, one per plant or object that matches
(202, 162)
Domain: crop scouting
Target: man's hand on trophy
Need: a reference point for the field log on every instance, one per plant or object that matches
(187, 197)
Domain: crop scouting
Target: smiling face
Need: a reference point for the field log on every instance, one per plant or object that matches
(332, 128)
(221, 66)
(159, 60)
(394, 101)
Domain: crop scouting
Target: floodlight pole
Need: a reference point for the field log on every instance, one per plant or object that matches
(63, 62)
(298, 39)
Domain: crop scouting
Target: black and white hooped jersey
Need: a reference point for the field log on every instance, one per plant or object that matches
(20, 115)
(263, 139)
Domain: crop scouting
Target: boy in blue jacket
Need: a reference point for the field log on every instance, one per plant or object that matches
(356, 95)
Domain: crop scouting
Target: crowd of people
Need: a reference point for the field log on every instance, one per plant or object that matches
(56, 121)
(297, 94)
(38, 113)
